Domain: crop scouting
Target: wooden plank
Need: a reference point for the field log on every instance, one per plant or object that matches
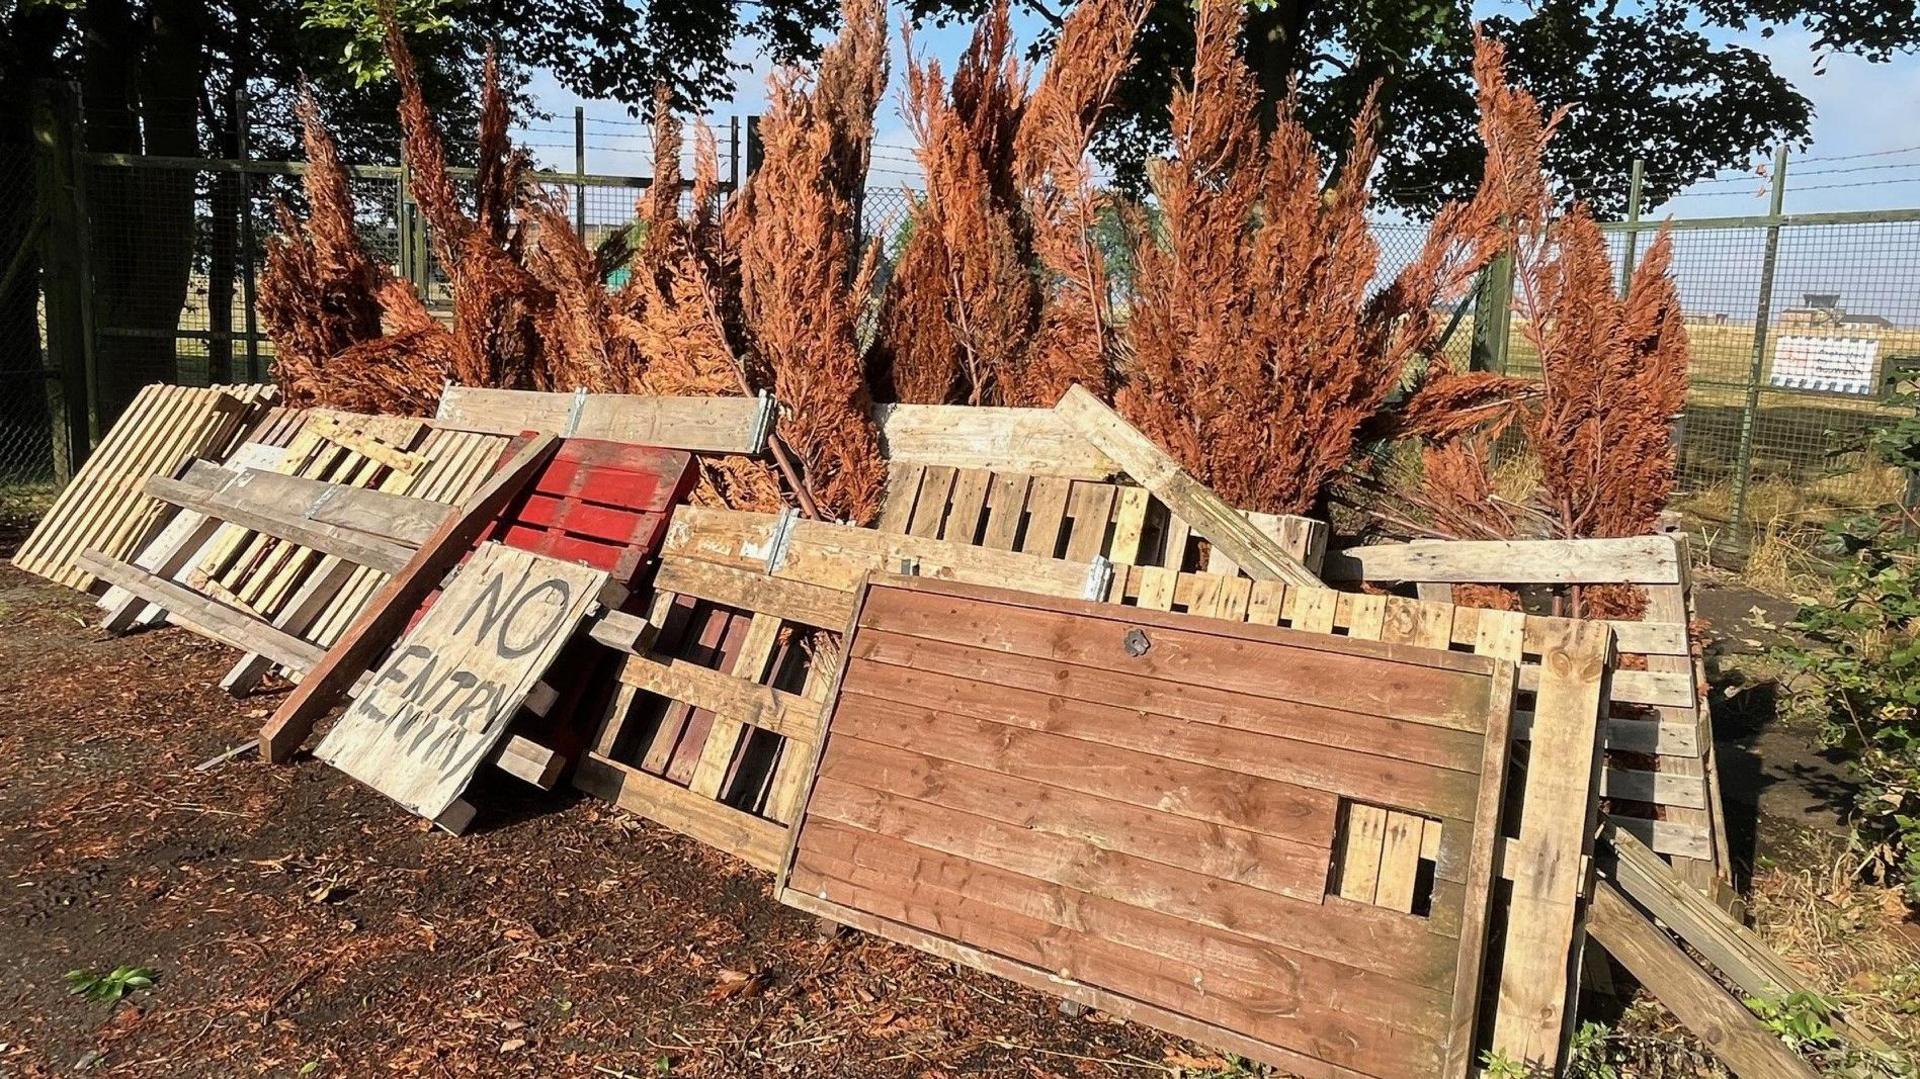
(229, 625)
(441, 702)
(1638, 560)
(1129, 525)
(903, 488)
(701, 424)
(1006, 504)
(793, 600)
(388, 612)
(1030, 441)
(238, 505)
(1046, 515)
(1089, 506)
(366, 444)
(969, 506)
(1710, 1012)
(759, 842)
(749, 670)
(1255, 552)
(1548, 860)
(930, 507)
(744, 701)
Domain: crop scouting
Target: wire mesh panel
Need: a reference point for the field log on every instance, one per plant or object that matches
(27, 437)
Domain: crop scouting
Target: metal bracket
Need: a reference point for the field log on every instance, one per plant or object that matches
(1099, 578)
(574, 410)
(782, 538)
(763, 422)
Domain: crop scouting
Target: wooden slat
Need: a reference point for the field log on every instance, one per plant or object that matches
(1547, 862)
(1256, 553)
(759, 842)
(701, 424)
(1639, 560)
(1031, 441)
(1709, 1011)
(229, 625)
(240, 506)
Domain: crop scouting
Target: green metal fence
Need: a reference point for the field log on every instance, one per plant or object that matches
(126, 270)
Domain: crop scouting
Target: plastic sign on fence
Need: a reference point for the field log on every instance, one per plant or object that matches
(1826, 364)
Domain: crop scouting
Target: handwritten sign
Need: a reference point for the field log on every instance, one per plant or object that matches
(1826, 364)
(442, 700)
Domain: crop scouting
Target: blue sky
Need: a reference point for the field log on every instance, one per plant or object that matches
(1860, 109)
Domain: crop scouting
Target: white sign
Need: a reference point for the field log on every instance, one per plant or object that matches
(1826, 364)
(445, 695)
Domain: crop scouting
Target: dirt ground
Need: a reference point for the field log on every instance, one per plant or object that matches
(302, 925)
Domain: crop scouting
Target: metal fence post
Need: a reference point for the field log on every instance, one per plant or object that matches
(1757, 365)
(247, 283)
(1493, 316)
(1632, 252)
(72, 394)
(580, 170)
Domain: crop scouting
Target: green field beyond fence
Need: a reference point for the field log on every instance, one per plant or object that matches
(1801, 325)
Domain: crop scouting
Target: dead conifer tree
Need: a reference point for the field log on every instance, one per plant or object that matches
(801, 295)
(962, 303)
(1259, 355)
(495, 342)
(325, 303)
(1076, 342)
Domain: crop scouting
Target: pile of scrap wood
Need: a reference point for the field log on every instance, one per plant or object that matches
(1063, 715)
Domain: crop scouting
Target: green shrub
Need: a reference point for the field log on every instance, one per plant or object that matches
(1863, 657)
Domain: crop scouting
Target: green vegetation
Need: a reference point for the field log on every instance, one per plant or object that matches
(109, 988)
(1862, 658)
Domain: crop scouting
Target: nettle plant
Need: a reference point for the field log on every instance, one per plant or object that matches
(1863, 652)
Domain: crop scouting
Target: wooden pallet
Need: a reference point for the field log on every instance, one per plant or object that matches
(711, 731)
(1060, 517)
(360, 527)
(1143, 811)
(1674, 806)
(103, 509)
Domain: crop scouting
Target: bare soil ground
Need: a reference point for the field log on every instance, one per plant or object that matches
(301, 924)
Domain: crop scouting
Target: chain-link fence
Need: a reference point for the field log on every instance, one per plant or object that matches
(27, 429)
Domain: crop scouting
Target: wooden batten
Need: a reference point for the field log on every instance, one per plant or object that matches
(699, 424)
(1252, 550)
(1031, 441)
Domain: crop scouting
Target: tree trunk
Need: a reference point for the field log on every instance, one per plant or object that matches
(143, 218)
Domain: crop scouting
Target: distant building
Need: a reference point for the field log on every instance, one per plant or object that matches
(1822, 311)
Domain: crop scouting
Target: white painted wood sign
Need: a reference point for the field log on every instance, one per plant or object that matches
(442, 700)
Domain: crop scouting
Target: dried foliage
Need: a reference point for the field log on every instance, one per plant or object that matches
(1257, 354)
(323, 298)
(1614, 374)
(494, 297)
(963, 302)
(795, 226)
(1077, 343)
(1000, 296)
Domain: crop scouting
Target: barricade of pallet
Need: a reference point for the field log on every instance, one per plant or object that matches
(1148, 813)
(1661, 780)
(579, 501)
(104, 508)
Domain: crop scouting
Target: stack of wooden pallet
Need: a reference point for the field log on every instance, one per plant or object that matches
(1063, 714)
